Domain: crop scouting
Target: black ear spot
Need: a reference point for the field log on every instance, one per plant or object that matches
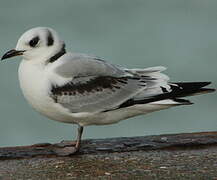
(33, 42)
(50, 39)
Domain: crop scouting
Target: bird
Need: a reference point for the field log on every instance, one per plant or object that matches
(85, 89)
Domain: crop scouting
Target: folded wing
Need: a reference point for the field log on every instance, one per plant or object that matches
(94, 85)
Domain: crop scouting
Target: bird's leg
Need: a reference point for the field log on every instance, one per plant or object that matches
(79, 135)
(69, 150)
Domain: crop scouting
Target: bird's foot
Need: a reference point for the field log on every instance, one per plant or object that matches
(66, 151)
(65, 148)
(65, 143)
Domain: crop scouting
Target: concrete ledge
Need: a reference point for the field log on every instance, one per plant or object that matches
(177, 156)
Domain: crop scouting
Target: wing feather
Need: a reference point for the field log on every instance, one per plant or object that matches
(96, 93)
(93, 85)
(80, 65)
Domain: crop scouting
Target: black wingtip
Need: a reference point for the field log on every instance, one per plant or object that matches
(182, 89)
(179, 90)
(193, 85)
(183, 101)
(205, 90)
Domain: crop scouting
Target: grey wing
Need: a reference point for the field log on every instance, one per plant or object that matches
(96, 93)
(82, 65)
(96, 85)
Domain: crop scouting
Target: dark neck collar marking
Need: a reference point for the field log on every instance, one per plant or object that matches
(50, 39)
(57, 55)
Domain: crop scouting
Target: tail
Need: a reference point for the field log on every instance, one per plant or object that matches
(174, 96)
(160, 91)
(182, 89)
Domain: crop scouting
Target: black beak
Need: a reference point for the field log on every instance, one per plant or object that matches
(12, 53)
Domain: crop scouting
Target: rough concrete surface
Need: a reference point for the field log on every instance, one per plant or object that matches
(194, 157)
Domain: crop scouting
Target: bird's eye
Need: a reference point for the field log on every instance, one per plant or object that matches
(34, 41)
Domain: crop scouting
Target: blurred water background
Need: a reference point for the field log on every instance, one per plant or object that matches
(181, 35)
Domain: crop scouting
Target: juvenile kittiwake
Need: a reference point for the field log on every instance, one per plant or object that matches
(86, 90)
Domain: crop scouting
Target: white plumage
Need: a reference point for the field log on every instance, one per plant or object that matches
(86, 90)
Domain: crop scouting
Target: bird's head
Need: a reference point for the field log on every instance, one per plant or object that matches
(38, 44)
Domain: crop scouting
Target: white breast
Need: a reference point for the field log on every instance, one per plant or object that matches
(35, 85)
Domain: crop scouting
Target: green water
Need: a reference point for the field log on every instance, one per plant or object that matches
(179, 34)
